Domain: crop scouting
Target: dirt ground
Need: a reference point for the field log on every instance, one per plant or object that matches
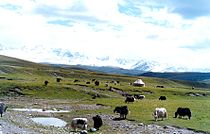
(19, 122)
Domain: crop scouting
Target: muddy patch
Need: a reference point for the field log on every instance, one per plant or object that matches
(40, 110)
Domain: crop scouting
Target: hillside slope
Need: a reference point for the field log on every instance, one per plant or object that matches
(188, 76)
(17, 67)
(10, 61)
(26, 80)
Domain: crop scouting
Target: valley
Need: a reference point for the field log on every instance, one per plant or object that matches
(22, 85)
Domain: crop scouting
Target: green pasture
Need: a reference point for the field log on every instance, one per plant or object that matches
(29, 78)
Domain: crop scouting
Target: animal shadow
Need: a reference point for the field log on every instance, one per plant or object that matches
(182, 118)
(118, 119)
(131, 120)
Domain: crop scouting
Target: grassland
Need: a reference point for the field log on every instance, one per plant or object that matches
(29, 79)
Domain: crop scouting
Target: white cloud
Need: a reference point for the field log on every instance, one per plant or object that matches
(150, 30)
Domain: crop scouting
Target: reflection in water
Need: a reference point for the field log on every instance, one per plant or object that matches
(49, 121)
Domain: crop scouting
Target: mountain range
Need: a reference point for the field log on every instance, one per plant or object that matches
(186, 76)
(107, 64)
(70, 57)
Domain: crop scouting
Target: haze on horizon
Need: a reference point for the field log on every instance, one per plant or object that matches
(174, 32)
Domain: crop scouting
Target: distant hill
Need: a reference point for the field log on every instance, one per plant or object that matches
(189, 76)
(17, 67)
(103, 69)
(186, 76)
(9, 64)
(10, 61)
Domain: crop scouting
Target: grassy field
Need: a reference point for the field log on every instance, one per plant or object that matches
(29, 79)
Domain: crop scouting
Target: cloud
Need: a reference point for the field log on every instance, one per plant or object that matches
(61, 22)
(129, 8)
(190, 9)
(205, 45)
(165, 31)
(10, 6)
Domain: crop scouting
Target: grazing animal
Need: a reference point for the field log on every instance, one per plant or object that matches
(97, 83)
(122, 110)
(138, 96)
(58, 79)
(129, 99)
(76, 80)
(46, 83)
(97, 122)
(3, 108)
(162, 98)
(160, 86)
(95, 96)
(81, 123)
(160, 113)
(183, 112)
(106, 84)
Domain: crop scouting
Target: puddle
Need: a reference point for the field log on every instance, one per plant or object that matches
(39, 110)
(49, 121)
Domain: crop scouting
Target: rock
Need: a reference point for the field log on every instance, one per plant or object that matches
(93, 129)
(84, 132)
(141, 124)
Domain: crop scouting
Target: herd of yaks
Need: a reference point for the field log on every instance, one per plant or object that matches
(158, 112)
(82, 123)
(123, 111)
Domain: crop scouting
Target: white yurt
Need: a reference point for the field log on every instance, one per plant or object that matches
(139, 82)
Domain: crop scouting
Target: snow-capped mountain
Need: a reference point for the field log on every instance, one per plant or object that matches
(64, 56)
(142, 65)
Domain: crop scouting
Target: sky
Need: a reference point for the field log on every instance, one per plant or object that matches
(175, 32)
